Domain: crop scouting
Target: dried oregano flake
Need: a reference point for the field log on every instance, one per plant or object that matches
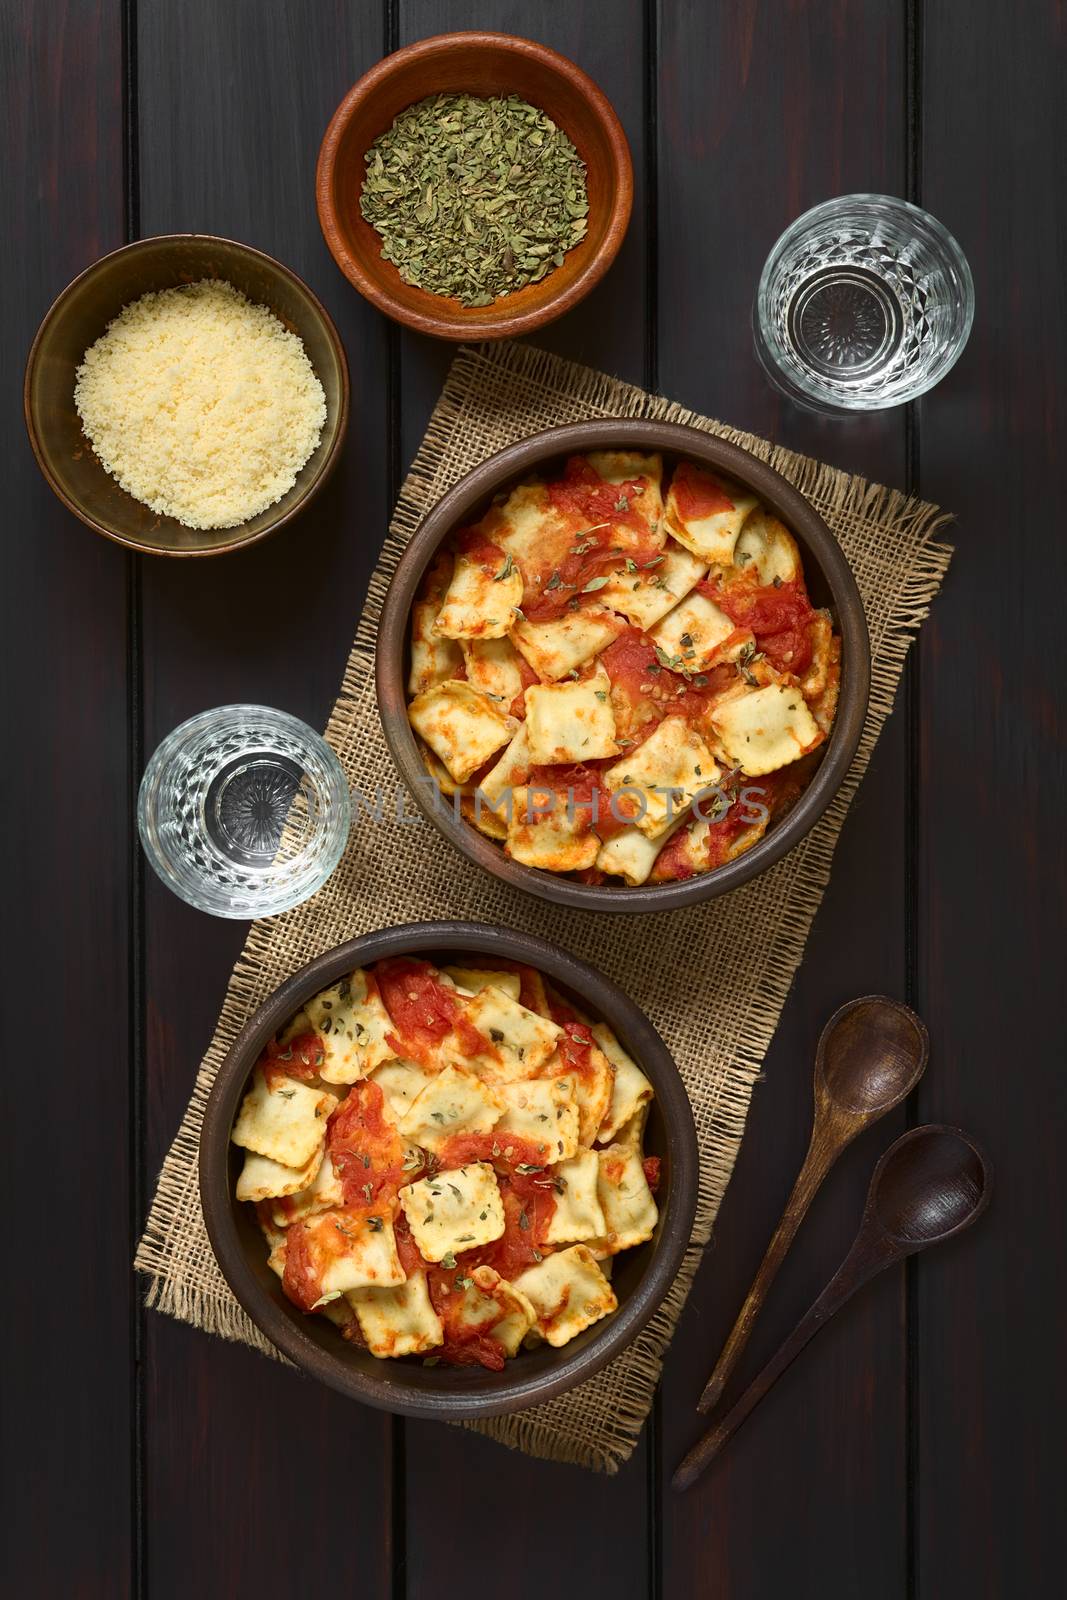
(475, 198)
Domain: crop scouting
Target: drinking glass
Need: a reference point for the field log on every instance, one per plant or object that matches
(243, 811)
(865, 302)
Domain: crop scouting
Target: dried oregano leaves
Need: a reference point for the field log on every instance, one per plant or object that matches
(474, 198)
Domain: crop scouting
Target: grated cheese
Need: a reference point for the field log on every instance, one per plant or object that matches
(201, 404)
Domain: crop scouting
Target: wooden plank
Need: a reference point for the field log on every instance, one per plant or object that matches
(444, 1467)
(66, 861)
(233, 104)
(991, 1310)
(763, 112)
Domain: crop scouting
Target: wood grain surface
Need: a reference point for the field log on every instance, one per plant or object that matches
(914, 1451)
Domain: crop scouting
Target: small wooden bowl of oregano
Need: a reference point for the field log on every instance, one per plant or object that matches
(474, 185)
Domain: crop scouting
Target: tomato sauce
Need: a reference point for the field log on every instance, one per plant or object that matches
(697, 495)
(421, 1008)
(582, 492)
(310, 1250)
(365, 1148)
(301, 1058)
(473, 543)
(643, 690)
(651, 1165)
(779, 617)
(504, 1150)
(608, 525)
(529, 1203)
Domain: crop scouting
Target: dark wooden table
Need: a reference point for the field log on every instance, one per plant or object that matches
(915, 1450)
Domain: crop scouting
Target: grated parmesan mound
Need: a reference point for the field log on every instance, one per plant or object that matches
(201, 404)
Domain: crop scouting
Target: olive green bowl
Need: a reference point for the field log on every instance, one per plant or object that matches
(79, 316)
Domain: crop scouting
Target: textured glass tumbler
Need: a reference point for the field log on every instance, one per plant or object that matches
(864, 303)
(244, 811)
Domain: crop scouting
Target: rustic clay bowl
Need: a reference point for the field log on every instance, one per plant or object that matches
(79, 316)
(482, 64)
(830, 583)
(643, 1275)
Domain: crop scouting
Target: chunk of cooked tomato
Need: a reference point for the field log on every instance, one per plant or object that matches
(366, 1150)
(421, 1008)
(779, 615)
(301, 1058)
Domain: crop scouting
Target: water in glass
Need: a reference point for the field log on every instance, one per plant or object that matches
(865, 302)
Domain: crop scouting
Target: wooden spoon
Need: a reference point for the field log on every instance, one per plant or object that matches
(932, 1183)
(871, 1054)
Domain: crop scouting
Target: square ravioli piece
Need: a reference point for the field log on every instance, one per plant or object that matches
(565, 643)
(286, 1123)
(453, 1102)
(264, 1179)
(696, 634)
(630, 1213)
(473, 979)
(352, 1024)
(485, 590)
(548, 829)
(592, 1088)
(462, 727)
(766, 729)
(669, 769)
(630, 855)
(454, 1211)
(495, 667)
(706, 513)
(401, 1082)
(491, 1305)
(569, 722)
(645, 591)
(577, 1214)
(631, 1088)
(433, 658)
(568, 1292)
(513, 1043)
(543, 1111)
(347, 1248)
(398, 1321)
(323, 1193)
(768, 544)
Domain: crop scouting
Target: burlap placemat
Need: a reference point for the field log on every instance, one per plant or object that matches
(745, 947)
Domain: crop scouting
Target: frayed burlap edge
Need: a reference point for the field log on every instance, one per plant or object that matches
(514, 380)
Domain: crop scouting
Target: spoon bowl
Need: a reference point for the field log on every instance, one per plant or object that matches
(928, 1186)
(871, 1055)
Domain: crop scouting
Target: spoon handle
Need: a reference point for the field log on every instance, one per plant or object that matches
(867, 1257)
(828, 1139)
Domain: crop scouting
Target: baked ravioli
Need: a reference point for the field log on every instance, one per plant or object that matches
(443, 1160)
(619, 672)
